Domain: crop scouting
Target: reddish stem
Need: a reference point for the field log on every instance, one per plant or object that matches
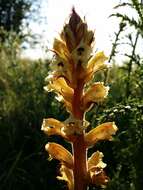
(79, 148)
(76, 104)
(80, 163)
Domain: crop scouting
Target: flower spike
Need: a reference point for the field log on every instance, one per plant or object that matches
(72, 70)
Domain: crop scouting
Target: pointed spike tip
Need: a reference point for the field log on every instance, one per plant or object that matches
(74, 20)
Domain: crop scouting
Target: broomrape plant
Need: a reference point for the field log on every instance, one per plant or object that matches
(73, 69)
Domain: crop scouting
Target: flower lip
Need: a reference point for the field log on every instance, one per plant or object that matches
(61, 64)
(74, 126)
(80, 50)
(67, 175)
(95, 161)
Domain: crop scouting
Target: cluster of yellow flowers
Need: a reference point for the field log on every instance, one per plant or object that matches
(73, 69)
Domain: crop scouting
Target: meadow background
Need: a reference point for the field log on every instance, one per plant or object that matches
(24, 163)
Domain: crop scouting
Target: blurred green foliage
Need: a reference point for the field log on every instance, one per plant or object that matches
(23, 105)
(12, 14)
(16, 14)
(24, 163)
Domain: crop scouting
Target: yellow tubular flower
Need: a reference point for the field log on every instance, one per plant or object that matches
(95, 64)
(60, 48)
(52, 126)
(58, 152)
(101, 132)
(62, 66)
(67, 175)
(96, 93)
(95, 169)
(98, 177)
(61, 87)
(96, 161)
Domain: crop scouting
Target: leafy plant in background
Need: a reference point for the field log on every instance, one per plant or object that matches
(125, 104)
(136, 6)
(15, 15)
(23, 105)
(131, 39)
(73, 69)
